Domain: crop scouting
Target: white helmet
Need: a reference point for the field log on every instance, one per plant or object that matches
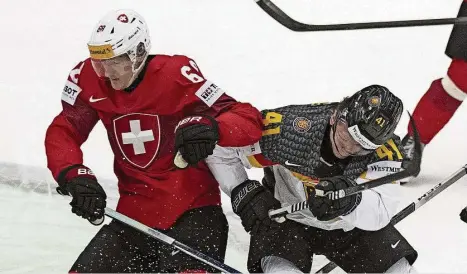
(120, 32)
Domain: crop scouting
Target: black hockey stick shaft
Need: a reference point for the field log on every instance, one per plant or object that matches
(412, 168)
(170, 241)
(463, 215)
(280, 16)
(414, 206)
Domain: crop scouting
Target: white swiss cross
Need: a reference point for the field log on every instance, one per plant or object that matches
(136, 137)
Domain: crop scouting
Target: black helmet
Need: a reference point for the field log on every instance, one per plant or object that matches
(373, 112)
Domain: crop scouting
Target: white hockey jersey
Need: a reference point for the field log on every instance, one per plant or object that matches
(377, 207)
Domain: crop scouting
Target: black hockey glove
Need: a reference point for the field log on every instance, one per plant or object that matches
(196, 137)
(325, 209)
(252, 202)
(89, 198)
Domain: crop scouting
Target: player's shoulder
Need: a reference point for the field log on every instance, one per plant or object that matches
(179, 68)
(390, 151)
(76, 74)
(181, 64)
(386, 160)
(176, 69)
(181, 60)
(168, 62)
(77, 80)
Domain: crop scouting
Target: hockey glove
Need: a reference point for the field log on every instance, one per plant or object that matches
(196, 137)
(252, 202)
(325, 209)
(89, 198)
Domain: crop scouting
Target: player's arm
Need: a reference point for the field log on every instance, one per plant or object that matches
(227, 167)
(211, 116)
(228, 164)
(70, 128)
(251, 201)
(378, 205)
(64, 137)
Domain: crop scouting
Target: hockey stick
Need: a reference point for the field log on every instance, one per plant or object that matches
(164, 238)
(463, 215)
(290, 23)
(179, 161)
(412, 168)
(414, 206)
(169, 240)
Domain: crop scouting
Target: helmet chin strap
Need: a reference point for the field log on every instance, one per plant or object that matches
(334, 127)
(137, 70)
(333, 141)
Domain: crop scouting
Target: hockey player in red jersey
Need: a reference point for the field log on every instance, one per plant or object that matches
(445, 95)
(151, 106)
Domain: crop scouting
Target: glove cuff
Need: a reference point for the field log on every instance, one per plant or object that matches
(71, 172)
(198, 119)
(243, 193)
(358, 199)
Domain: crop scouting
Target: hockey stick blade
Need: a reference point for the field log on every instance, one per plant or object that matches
(463, 215)
(280, 16)
(179, 161)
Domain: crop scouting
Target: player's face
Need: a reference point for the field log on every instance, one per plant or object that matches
(343, 144)
(119, 70)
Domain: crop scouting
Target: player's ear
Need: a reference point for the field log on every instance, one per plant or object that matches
(140, 54)
(333, 118)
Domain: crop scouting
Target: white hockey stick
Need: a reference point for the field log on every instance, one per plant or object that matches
(414, 206)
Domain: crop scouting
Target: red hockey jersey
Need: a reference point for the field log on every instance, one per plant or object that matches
(140, 125)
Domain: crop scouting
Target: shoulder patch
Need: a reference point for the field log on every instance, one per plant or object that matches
(209, 93)
(71, 90)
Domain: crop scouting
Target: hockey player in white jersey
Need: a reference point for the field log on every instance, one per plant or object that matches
(327, 147)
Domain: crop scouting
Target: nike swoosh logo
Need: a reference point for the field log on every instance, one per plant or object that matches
(290, 164)
(395, 245)
(93, 100)
(175, 252)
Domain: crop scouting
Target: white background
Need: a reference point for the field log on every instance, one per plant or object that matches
(244, 51)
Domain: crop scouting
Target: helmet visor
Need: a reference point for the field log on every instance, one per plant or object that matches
(113, 68)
